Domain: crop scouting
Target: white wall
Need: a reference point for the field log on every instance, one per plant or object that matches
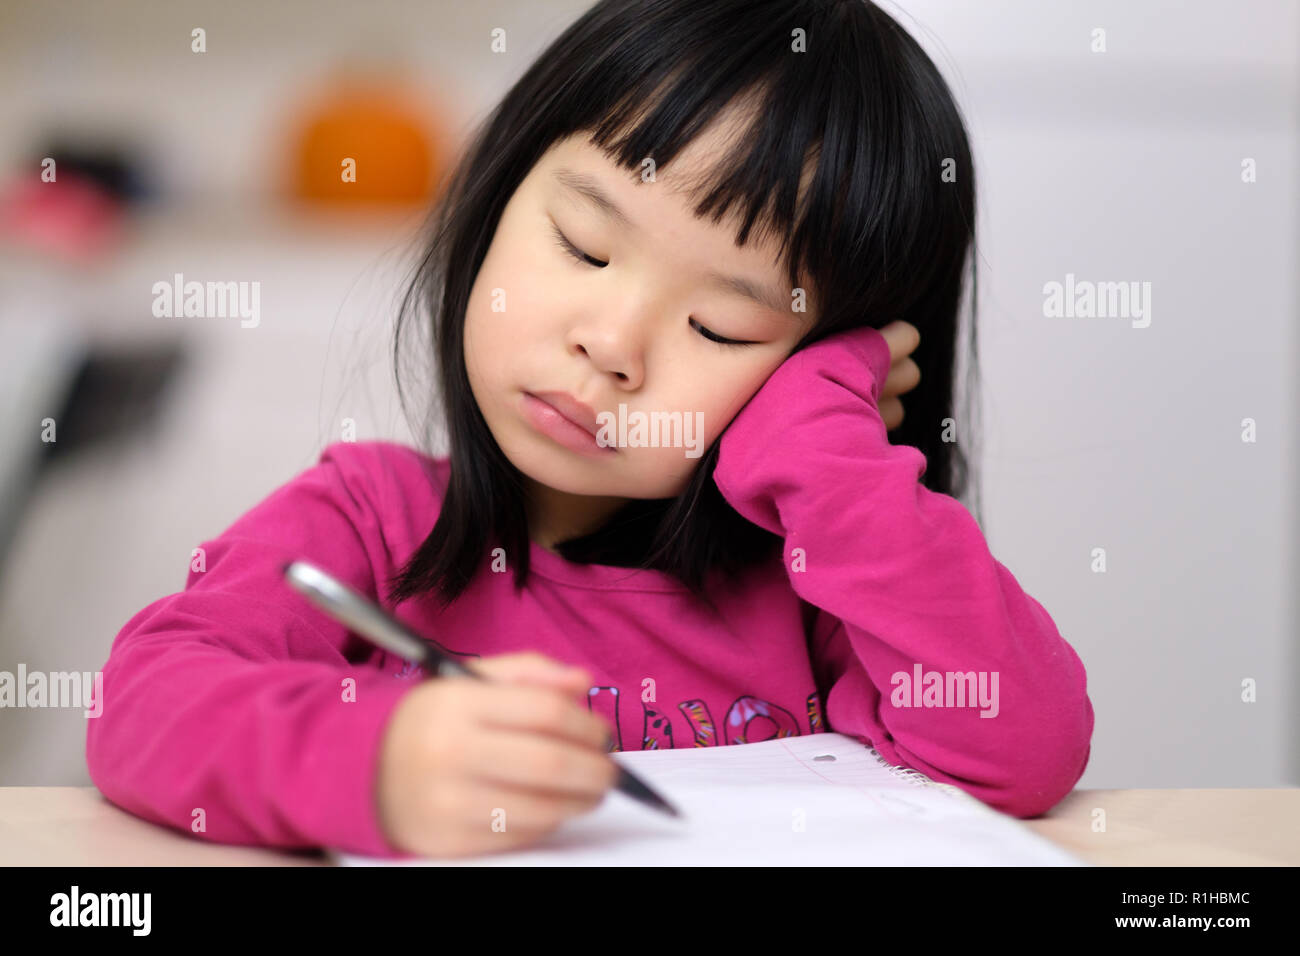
(1127, 166)
(1116, 166)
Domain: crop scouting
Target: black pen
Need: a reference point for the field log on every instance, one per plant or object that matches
(382, 629)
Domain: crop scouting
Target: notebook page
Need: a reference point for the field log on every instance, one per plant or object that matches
(813, 800)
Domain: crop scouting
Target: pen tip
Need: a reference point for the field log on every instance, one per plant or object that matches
(665, 806)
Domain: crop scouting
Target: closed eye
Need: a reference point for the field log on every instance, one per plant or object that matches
(578, 255)
(573, 250)
(714, 337)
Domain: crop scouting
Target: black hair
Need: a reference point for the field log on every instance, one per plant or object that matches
(884, 234)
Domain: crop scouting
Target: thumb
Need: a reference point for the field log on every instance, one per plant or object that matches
(531, 668)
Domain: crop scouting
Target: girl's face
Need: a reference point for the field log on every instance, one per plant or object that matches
(625, 333)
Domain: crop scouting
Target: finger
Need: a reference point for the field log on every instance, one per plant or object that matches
(902, 378)
(891, 411)
(539, 710)
(524, 664)
(569, 681)
(902, 339)
(536, 670)
(547, 765)
(577, 688)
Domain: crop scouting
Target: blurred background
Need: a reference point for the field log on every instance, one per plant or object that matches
(133, 150)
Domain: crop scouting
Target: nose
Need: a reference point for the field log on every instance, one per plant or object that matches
(615, 351)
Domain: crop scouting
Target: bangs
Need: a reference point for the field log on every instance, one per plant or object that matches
(797, 168)
(834, 160)
(762, 183)
(770, 181)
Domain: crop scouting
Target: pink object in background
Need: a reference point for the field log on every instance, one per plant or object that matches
(72, 217)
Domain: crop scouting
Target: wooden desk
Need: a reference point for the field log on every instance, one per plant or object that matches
(76, 826)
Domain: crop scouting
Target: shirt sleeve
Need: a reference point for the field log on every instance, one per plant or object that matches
(236, 710)
(905, 586)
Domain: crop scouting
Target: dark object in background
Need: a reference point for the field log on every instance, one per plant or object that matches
(118, 171)
(101, 394)
(114, 396)
(80, 214)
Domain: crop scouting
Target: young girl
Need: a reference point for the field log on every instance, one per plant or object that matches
(695, 215)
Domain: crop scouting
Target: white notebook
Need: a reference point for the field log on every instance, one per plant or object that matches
(814, 800)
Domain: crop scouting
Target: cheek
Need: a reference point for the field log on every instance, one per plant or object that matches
(710, 408)
(473, 342)
(485, 339)
(517, 300)
(487, 326)
(727, 395)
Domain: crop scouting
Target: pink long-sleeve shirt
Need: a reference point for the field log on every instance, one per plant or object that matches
(226, 702)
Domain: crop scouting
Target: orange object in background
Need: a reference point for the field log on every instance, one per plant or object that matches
(384, 126)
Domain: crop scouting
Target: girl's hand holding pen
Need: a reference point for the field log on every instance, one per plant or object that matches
(469, 767)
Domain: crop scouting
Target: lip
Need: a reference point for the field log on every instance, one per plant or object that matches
(566, 420)
(572, 409)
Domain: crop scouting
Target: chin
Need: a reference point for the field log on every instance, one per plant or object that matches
(564, 471)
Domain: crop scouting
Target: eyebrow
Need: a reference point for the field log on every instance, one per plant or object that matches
(586, 187)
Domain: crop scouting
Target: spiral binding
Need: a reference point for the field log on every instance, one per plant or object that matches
(918, 779)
